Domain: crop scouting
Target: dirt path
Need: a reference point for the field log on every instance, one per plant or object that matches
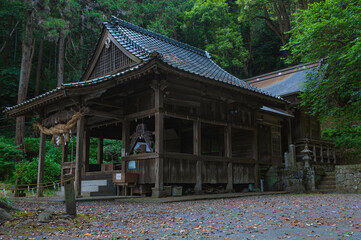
(327, 216)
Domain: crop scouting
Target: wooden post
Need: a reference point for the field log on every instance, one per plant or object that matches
(159, 123)
(125, 143)
(228, 148)
(328, 154)
(314, 153)
(100, 150)
(79, 155)
(40, 181)
(70, 204)
(334, 155)
(64, 158)
(289, 134)
(321, 152)
(255, 157)
(159, 140)
(197, 151)
(86, 152)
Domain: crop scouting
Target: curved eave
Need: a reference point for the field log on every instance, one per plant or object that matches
(226, 84)
(71, 89)
(27, 107)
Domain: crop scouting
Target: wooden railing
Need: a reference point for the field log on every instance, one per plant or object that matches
(322, 151)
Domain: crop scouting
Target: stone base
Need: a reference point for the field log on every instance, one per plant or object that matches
(177, 191)
(158, 193)
(229, 188)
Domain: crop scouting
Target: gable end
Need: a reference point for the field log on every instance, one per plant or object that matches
(109, 58)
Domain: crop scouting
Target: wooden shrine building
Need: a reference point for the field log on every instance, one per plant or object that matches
(304, 128)
(182, 119)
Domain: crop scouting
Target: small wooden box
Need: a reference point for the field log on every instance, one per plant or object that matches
(125, 178)
(107, 167)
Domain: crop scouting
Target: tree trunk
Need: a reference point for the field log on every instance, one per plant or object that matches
(38, 69)
(24, 75)
(61, 59)
(6, 46)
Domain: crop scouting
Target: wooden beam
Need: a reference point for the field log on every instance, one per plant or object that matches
(110, 115)
(179, 102)
(105, 104)
(219, 123)
(41, 165)
(79, 155)
(140, 114)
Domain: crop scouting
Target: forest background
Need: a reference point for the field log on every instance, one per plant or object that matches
(44, 43)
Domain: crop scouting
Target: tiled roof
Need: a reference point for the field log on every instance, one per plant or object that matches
(142, 43)
(292, 84)
(145, 45)
(284, 81)
(75, 85)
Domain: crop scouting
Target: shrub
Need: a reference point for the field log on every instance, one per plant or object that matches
(8, 154)
(31, 147)
(28, 171)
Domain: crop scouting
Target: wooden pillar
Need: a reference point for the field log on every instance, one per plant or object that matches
(159, 140)
(321, 152)
(328, 154)
(159, 124)
(79, 155)
(86, 152)
(125, 143)
(289, 135)
(197, 127)
(314, 153)
(100, 150)
(41, 164)
(64, 158)
(228, 148)
(255, 157)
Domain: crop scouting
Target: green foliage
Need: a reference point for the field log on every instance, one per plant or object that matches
(112, 150)
(215, 27)
(28, 171)
(331, 30)
(8, 154)
(7, 201)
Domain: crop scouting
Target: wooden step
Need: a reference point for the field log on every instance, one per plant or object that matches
(326, 190)
(326, 187)
(327, 182)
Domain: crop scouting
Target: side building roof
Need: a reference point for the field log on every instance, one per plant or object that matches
(285, 81)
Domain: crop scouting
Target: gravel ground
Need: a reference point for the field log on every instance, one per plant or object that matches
(326, 216)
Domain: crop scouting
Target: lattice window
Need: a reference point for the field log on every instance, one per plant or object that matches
(111, 58)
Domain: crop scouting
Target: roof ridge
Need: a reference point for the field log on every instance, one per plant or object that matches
(159, 36)
(126, 38)
(287, 70)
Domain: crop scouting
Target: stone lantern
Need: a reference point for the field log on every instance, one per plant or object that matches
(306, 155)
